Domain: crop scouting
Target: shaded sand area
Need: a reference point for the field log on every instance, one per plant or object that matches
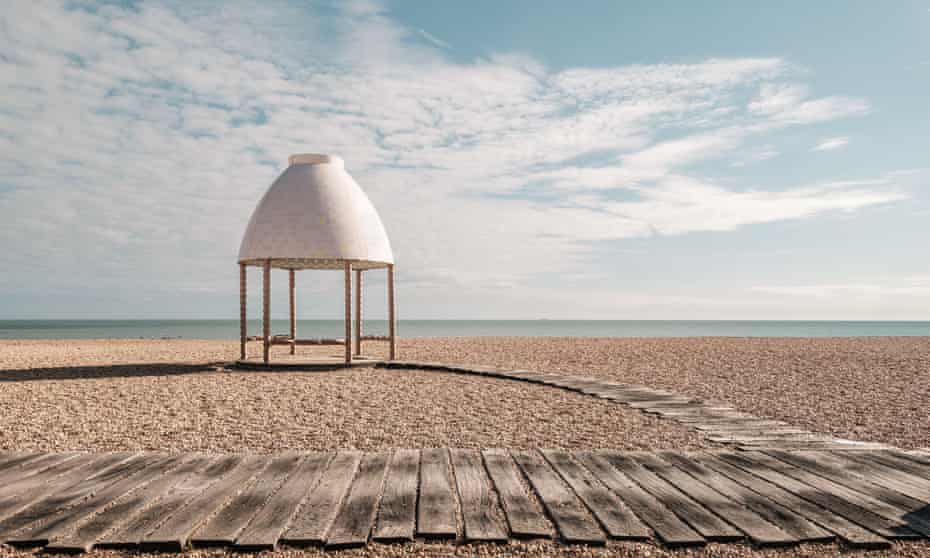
(188, 408)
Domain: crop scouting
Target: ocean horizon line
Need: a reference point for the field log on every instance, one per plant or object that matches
(111, 328)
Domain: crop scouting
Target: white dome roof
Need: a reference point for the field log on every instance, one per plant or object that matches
(315, 216)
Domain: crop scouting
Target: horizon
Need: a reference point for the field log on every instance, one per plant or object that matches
(659, 162)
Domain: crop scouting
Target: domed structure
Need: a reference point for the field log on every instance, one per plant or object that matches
(315, 216)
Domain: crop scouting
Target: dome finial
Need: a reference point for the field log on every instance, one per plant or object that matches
(314, 159)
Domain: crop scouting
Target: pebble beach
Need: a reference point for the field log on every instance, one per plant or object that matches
(179, 395)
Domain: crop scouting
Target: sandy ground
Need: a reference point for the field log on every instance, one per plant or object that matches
(870, 388)
(92, 406)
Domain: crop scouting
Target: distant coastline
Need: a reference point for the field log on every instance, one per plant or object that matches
(541, 327)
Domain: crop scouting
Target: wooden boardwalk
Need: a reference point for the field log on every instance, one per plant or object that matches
(718, 422)
(73, 502)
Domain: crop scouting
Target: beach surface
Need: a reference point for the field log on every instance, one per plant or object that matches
(178, 395)
(865, 388)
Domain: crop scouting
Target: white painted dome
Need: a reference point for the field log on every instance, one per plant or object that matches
(315, 216)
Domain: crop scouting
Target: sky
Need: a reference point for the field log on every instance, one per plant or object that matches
(594, 160)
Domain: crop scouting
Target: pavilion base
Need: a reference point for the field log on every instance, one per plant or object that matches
(305, 362)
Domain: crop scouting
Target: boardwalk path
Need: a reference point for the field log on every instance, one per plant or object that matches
(718, 422)
(74, 502)
(774, 487)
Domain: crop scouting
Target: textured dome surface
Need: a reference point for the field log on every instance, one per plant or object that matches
(314, 216)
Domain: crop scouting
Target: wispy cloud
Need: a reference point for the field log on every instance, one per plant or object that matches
(874, 288)
(433, 39)
(136, 141)
(829, 144)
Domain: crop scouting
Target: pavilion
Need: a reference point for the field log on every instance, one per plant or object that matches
(315, 216)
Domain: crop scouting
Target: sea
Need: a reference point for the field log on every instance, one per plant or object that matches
(229, 329)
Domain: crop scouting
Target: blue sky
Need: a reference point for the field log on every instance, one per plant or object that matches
(667, 160)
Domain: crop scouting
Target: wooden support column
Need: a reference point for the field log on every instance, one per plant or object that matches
(358, 312)
(293, 314)
(392, 314)
(348, 288)
(266, 310)
(243, 329)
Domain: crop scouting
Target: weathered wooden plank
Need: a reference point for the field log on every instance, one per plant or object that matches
(524, 516)
(58, 526)
(833, 503)
(800, 528)
(569, 515)
(759, 531)
(18, 470)
(25, 487)
(703, 521)
(397, 513)
(436, 510)
(38, 515)
(480, 513)
(913, 515)
(668, 527)
(903, 470)
(354, 522)
(225, 526)
(609, 510)
(175, 532)
(313, 520)
(84, 537)
(131, 533)
(918, 456)
(889, 475)
(266, 527)
(16, 459)
(12, 509)
(865, 478)
(851, 533)
(917, 463)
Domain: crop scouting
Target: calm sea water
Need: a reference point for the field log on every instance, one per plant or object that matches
(229, 329)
